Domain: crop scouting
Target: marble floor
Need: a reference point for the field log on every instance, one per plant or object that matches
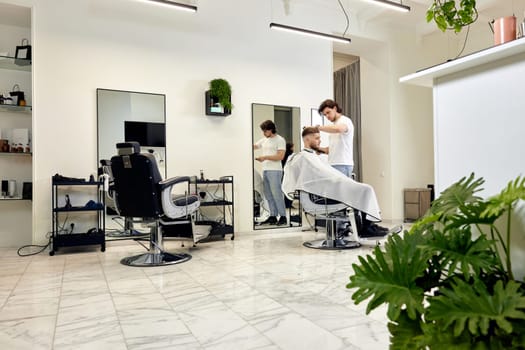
(263, 290)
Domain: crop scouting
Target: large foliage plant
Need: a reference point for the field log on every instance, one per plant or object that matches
(448, 282)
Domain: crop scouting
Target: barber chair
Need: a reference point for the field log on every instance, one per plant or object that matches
(141, 193)
(126, 223)
(327, 209)
(295, 213)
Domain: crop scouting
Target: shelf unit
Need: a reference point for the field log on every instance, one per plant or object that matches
(16, 109)
(16, 214)
(15, 165)
(222, 198)
(427, 76)
(97, 236)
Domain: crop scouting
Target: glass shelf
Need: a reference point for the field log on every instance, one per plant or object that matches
(12, 199)
(13, 63)
(16, 154)
(17, 109)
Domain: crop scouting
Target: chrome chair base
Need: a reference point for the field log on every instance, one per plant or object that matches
(332, 240)
(328, 244)
(155, 259)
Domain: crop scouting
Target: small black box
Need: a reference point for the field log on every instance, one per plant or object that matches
(27, 190)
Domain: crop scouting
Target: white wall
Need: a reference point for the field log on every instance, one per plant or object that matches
(396, 119)
(85, 44)
(411, 148)
(127, 45)
(479, 124)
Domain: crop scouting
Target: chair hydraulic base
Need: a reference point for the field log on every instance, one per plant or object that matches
(332, 242)
(329, 244)
(155, 259)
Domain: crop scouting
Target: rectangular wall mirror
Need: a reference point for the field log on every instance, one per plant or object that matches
(288, 125)
(131, 116)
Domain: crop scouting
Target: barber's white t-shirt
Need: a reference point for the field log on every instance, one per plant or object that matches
(270, 146)
(341, 144)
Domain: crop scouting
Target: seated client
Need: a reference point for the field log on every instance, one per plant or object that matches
(306, 171)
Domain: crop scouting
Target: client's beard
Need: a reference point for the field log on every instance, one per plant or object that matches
(317, 149)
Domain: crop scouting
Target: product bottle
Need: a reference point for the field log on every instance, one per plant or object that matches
(522, 26)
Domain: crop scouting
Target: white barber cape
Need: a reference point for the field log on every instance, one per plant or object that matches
(306, 171)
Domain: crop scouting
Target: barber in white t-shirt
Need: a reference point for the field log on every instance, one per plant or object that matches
(341, 138)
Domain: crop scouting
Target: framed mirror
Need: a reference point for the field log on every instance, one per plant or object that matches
(128, 116)
(131, 116)
(266, 206)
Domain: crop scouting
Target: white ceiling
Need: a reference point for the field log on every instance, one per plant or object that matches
(365, 16)
(367, 12)
(358, 10)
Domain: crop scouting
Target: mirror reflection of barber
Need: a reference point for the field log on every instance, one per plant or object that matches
(341, 131)
(273, 148)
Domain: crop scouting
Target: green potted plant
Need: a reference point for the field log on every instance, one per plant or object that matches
(448, 15)
(220, 92)
(448, 286)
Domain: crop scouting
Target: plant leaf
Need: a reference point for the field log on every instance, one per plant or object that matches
(457, 195)
(470, 307)
(508, 197)
(406, 333)
(471, 214)
(390, 276)
(457, 251)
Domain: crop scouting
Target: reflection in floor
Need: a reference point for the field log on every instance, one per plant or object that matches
(263, 290)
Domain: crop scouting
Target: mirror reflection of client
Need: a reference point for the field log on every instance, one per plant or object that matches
(306, 171)
(273, 148)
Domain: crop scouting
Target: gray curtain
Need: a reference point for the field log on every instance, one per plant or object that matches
(347, 93)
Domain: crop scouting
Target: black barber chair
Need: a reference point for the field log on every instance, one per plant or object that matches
(327, 209)
(141, 193)
(126, 223)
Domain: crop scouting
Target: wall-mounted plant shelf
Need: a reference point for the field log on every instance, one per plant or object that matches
(213, 107)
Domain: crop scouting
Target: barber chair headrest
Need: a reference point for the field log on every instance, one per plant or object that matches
(127, 148)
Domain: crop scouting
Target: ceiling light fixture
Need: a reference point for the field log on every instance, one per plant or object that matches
(398, 6)
(308, 32)
(176, 5)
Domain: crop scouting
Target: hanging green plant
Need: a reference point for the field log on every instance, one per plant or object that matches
(221, 90)
(448, 16)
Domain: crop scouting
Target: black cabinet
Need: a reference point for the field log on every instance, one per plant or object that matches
(63, 234)
(216, 197)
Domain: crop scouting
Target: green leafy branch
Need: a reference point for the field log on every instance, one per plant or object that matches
(447, 15)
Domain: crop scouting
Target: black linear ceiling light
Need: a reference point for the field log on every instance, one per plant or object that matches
(398, 6)
(310, 33)
(176, 5)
